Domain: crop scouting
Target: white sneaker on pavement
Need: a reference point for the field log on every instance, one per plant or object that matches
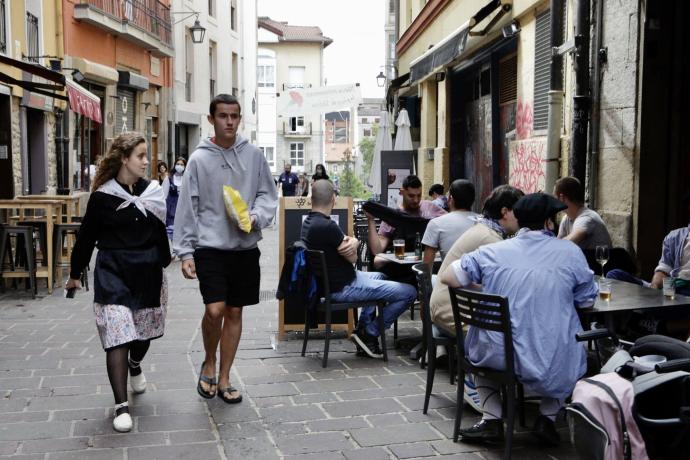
(471, 396)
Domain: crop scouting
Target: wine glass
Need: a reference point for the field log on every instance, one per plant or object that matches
(601, 253)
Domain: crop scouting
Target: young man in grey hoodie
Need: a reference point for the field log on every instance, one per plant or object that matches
(213, 248)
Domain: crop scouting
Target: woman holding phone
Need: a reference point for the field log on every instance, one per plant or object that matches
(125, 219)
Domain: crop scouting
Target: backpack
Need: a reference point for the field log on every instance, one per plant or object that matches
(297, 286)
(601, 420)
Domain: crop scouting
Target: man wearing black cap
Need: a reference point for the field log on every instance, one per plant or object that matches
(544, 279)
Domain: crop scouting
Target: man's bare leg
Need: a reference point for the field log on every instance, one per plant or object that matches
(229, 341)
(211, 329)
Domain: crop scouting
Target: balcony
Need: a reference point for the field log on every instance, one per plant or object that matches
(145, 23)
(298, 131)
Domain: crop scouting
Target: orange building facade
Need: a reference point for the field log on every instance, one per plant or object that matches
(121, 52)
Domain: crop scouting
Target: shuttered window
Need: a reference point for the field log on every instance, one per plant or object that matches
(124, 110)
(507, 76)
(542, 70)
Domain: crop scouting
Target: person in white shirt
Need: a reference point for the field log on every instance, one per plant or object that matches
(444, 230)
(581, 225)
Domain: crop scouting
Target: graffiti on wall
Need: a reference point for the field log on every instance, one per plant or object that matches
(523, 120)
(527, 164)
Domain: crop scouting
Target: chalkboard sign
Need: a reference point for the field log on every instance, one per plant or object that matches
(291, 213)
(396, 165)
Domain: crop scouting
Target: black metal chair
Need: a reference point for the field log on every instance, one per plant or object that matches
(430, 341)
(60, 260)
(316, 262)
(489, 312)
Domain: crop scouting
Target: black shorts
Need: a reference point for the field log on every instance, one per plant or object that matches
(232, 277)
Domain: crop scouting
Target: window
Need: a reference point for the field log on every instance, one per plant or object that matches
(364, 120)
(32, 49)
(235, 74)
(265, 76)
(367, 133)
(340, 135)
(212, 8)
(296, 77)
(296, 124)
(3, 27)
(212, 68)
(542, 71)
(270, 156)
(297, 153)
(233, 14)
(391, 6)
(376, 120)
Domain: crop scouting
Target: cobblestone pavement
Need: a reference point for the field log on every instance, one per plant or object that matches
(56, 403)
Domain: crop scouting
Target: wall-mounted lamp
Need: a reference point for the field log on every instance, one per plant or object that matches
(197, 30)
(380, 79)
(56, 65)
(511, 29)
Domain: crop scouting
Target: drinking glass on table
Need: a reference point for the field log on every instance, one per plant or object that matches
(399, 249)
(669, 288)
(605, 289)
(601, 254)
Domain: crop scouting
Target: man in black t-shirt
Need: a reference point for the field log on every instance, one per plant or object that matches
(319, 232)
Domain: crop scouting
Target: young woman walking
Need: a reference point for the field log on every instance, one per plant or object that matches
(125, 219)
(171, 191)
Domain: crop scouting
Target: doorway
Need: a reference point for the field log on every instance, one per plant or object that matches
(664, 171)
(6, 176)
(36, 148)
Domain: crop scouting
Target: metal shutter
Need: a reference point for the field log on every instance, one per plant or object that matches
(507, 80)
(542, 70)
(124, 110)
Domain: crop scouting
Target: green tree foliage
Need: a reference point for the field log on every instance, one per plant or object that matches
(350, 185)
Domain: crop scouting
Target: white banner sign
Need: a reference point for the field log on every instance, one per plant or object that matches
(298, 101)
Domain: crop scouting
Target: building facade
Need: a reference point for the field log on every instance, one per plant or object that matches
(298, 54)
(481, 91)
(339, 147)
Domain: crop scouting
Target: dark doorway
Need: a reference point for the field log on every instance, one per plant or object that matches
(6, 176)
(664, 136)
(36, 144)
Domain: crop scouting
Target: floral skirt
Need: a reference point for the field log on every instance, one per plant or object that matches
(118, 324)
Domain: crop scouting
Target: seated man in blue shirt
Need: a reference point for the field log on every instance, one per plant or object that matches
(319, 232)
(544, 279)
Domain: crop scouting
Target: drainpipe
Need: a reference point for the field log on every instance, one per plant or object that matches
(553, 139)
(598, 58)
(581, 99)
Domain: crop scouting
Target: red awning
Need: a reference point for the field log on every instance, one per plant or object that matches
(84, 102)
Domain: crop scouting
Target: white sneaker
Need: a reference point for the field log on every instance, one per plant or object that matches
(138, 383)
(471, 396)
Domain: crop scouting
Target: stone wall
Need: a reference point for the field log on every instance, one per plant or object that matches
(16, 146)
(51, 152)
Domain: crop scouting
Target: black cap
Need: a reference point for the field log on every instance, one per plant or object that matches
(537, 207)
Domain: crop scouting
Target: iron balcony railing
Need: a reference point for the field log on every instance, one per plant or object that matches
(151, 16)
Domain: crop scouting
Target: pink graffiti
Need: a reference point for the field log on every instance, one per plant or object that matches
(523, 120)
(527, 165)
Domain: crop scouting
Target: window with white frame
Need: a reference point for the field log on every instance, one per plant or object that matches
(32, 38)
(233, 14)
(296, 77)
(296, 124)
(269, 153)
(212, 68)
(367, 133)
(212, 8)
(265, 76)
(297, 153)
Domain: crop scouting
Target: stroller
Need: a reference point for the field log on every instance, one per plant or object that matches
(632, 410)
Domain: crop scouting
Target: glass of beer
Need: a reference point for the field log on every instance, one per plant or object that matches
(399, 248)
(605, 289)
(669, 288)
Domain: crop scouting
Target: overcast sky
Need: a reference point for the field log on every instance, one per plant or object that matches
(357, 53)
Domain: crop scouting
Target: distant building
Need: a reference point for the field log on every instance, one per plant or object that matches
(339, 147)
(290, 57)
(367, 117)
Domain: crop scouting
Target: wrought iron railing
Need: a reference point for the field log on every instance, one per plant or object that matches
(151, 16)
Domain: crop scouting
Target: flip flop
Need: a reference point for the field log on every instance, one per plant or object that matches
(230, 389)
(209, 380)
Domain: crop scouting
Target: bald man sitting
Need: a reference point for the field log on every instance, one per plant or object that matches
(319, 232)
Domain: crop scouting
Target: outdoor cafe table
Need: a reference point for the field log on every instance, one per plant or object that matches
(69, 202)
(410, 259)
(626, 297)
(52, 212)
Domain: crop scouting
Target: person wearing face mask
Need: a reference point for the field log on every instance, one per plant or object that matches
(171, 189)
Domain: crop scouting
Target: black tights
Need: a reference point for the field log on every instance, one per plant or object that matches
(117, 363)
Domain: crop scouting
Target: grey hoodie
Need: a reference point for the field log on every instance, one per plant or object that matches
(201, 220)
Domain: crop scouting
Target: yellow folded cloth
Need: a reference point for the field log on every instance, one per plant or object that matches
(237, 209)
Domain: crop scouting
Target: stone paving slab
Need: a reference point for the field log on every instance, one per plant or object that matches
(56, 402)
